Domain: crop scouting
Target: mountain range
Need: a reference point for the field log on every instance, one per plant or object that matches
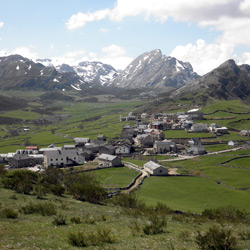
(151, 71)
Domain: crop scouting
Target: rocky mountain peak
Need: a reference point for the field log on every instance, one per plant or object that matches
(155, 70)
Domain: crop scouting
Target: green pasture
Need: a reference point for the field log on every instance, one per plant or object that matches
(235, 106)
(171, 134)
(22, 114)
(115, 177)
(217, 147)
(228, 176)
(239, 163)
(191, 194)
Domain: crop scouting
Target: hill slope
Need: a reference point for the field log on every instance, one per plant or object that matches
(226, 82)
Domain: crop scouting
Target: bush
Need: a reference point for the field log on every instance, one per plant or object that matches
(59, 220)
(78, 239)
(101, 236)
(157, 225)
(45, 209)
(127, 201)
(217, 239)
(76, 220)
(10, 213)
(228, 213)
(22, 181)
(86, 188)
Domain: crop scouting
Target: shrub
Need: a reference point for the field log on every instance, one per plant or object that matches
(3, 171)
(45, 209)
(78, 239)
(163, 209)
(76, 220)
(99, 237)
(10, 213)
(86, 188)
(57, 189)
(59, 220)
(217, 239)
(127, 201)
(228, 213)
(157, 225)
(22, 181)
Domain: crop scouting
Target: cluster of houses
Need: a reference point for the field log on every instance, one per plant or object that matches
(146, 136)
(69, 155)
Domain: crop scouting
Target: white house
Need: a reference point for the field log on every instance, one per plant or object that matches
(123, 149)
(155, 169)
(62, 157)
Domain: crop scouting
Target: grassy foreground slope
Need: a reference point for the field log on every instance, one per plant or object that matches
(34, 231)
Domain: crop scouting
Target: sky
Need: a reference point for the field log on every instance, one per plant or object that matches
(203, 32)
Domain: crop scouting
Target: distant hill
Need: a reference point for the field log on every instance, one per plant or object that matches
(156, 71)
(95, 74)
(226, 82)
(17, 72)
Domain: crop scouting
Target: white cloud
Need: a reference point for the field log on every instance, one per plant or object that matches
(204, 57)
(245, 7)
(1, 24)
(71, 58)
(80, 19)
(25, 52)
(231, 17)
(114, 55)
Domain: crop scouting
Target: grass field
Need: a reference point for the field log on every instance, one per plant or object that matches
(115, 177)
(191, 194)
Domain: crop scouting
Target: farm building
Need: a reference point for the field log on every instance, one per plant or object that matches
(144, 140)
(62, 157)
(233, 143)
(161, 147)
(107, 160)
(199, 127)
(81, 141)
(197, 148)
(25, 160)
(155, 169)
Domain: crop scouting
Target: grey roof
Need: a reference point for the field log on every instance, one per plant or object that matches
(106, 157)
(152, 165)
(164, 143)
(81, 140)
(69, 146)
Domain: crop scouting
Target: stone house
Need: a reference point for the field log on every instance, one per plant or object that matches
(107, 149)
(62, 158)
(199, 128)
(79, 142)
(25, 160)
(162, 147)
(155, 169)
(106, 160)
(123, 149)
(196, 147)
(144, 140)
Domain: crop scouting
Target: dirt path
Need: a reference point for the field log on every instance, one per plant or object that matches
(139, 180)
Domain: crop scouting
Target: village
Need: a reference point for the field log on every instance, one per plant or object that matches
(143, 136)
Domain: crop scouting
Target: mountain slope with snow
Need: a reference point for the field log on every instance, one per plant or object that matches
(17, 72)
(155, 70)
(94, 73)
